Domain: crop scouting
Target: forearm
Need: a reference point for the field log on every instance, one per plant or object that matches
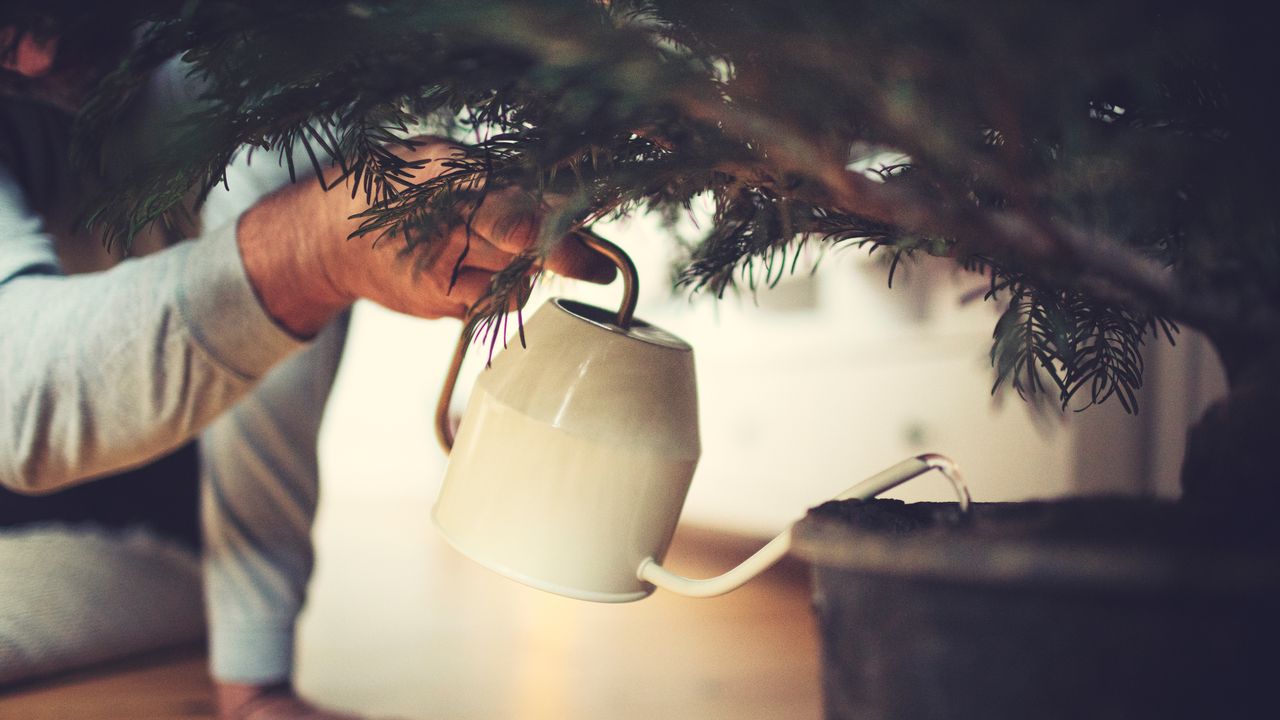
(106, 371)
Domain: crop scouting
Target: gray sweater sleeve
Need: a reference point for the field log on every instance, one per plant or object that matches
(105, 371)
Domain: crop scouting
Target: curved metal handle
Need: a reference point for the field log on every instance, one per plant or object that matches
(626, 268)
(764, 558)
(630, 294)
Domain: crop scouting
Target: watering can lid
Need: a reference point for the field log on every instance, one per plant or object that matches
(638, 330)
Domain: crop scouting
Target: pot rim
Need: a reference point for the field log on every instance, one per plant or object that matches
(957, 557)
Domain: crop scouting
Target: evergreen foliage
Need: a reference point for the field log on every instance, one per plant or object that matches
(1109, 165)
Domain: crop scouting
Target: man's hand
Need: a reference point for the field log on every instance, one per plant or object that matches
(305, 269)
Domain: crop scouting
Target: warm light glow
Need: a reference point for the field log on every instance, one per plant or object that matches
(542, 684)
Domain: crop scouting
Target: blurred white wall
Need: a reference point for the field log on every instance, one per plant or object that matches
(804, 390)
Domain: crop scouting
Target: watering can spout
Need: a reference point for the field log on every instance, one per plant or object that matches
(652, 572)
(764, 558)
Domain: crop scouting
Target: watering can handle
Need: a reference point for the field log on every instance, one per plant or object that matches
(650, 571)
(630, 293)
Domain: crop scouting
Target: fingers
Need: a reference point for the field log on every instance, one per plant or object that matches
(474, 260)
(440, 293)
(571, 258)
(434, 281)
(474, 250)
(488, 237)
(471, 286)
(509, 219)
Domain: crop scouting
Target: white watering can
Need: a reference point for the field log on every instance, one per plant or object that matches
(574, 456)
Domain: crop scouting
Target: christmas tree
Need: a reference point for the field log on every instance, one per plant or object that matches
(1109, 166)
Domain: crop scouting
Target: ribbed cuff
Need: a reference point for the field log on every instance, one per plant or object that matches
(251, 655)
(224, 313)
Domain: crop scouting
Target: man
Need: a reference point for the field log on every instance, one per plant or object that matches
(234, 336)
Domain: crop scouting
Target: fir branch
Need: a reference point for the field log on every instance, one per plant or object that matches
(1100, 202)
(1070, 343)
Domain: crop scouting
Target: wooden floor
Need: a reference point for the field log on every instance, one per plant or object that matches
(168, 684)
(400, 626)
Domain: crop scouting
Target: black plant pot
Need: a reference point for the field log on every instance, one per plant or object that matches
(1074, 610)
